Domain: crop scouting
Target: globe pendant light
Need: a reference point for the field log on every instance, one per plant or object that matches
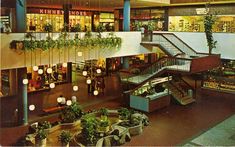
(84, 73)
(98, 71)
(31, 107)
(25, 81)
(59, 99)
(96, 92)
(52, 85)
(75, 88)
(64, 65)
(49, 70)
(69, 102)
(35, 68)
(88, 81)
(40, 71)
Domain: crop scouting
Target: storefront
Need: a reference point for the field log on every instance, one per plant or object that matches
(142, 17)
(89, 20)
(190, 19)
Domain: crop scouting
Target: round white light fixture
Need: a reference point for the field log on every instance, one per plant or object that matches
(74, 98)
(79, 54)
(52, 85)
(88, 81)
(31, 107)
(35, 68)
(69, 102)
(84, 73)
(64, 64)
(59, 99)
(40, 71)
(75, 88)
(49, 70)
(98, 71)
(25, 81)
(96, 92)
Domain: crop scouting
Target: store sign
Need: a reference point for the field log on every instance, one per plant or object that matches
(56, 11)
(201, 11)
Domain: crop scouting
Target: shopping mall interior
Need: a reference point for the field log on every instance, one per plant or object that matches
(117, 73)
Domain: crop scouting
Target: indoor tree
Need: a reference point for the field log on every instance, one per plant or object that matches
(209, 21)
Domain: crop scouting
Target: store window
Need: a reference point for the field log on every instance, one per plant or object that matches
(107, 20)
(224, 23)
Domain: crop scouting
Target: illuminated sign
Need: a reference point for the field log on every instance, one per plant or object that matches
(56, 11)
(201, 11)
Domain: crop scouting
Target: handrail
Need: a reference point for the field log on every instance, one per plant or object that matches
(183, 42)
(172, 43)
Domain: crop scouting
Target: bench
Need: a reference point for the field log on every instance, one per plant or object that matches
(53, 109)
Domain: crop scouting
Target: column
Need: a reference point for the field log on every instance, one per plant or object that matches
(66, 8)
(126, 62)
(25, 104)
(126, 15)
(20, 16)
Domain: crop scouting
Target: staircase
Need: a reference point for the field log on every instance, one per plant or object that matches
(179, 90)
(159, 67)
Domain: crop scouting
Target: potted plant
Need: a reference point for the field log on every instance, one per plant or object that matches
(71, 113)
(89, 127)
(209, 21)
(65, 137)
(41, 137)
(103, 114)
(103, 126)
(124, 114)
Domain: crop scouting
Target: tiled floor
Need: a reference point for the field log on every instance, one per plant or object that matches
(222, 134)
(174, 125)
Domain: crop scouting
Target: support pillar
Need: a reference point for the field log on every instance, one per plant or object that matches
(20, 16)
(126, 62)
(66, 8)
(25, 104)
(126, 15)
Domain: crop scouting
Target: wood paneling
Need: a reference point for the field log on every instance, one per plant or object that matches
(205, 63)
(196, 1)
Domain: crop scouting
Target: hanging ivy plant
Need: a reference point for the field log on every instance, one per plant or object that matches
(88, 41)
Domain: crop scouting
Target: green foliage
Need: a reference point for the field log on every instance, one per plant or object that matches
(100, 28)
(124, 113)
(71, 113)
(48, 27)
(65, 137)
(41, 134)
(44, 125)
(89, 126)
(63, 42)
(209, 21)
(103, 123)
(151, 26)
(103, 111)
(77, 28)
(136, 26)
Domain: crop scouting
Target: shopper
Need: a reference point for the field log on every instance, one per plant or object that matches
(7, 29)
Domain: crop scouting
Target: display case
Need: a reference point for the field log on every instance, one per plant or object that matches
(151, 96)
(222, 78)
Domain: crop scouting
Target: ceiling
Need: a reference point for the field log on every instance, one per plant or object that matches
(106, 5)
(95, 4)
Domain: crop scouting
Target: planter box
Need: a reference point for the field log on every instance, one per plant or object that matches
(150, 104)
(70, 125)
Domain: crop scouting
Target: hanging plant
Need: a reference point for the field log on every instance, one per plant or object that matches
(76, 28)
(88, 41)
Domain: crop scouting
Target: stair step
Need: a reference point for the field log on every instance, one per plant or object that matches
(188, 101)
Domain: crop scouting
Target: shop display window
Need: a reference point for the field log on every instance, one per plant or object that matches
(195, 23)
(8, 82)
(41, 81)
(222, 78)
